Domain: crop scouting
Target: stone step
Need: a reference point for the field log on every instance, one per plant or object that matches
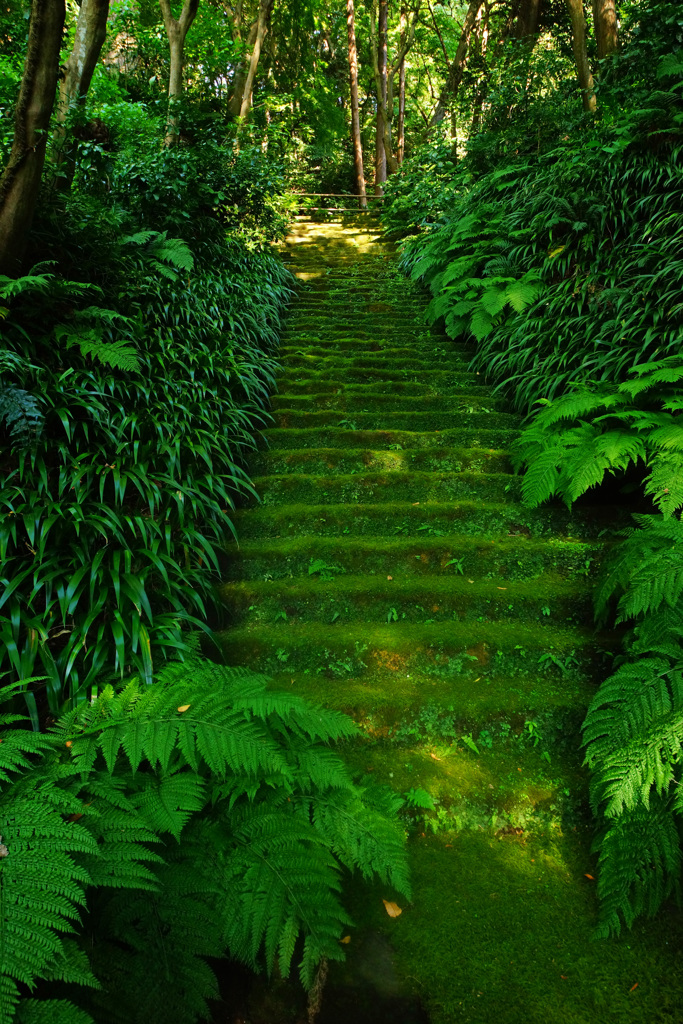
(458, 401)
(341, 599)
(481, 436)
(362, 460)
(473, 416)
(319, 384)
(474, 518)
(370, 488)
(518, 557)
(478, 650)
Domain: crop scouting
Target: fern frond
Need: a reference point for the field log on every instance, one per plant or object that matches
(42, 885)
(22, 413)
(665, 481)
(639, 865)
(51, 1011)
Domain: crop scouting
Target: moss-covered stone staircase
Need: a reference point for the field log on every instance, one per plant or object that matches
(391, 571)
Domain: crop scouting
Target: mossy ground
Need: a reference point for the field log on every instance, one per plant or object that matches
(391, 571)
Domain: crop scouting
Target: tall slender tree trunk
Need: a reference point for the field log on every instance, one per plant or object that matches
(455, 71)
(239, 81)
(583, 72)
(606, 29)
(91, 30)
(381, 77)
(355, 113)
(20, 182)
(262, 27)
(401, 132)
(176, 31)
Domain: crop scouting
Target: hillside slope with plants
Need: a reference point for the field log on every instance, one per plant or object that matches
(560, 263)
(254, 484)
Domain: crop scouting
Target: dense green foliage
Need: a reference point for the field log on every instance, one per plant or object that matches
(136, 424)
(157, 811)
(562, 265)
(201, 815)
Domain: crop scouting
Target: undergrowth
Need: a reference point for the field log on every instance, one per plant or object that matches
(159, 825)
(559, 262)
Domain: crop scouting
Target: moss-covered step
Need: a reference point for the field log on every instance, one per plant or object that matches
(473, 518)
(466, 653)
(512, 558)
(369, 488)
(318, 372)
(337, 364)
(354, 460)
(383, 352)
(414, 599)
(483, 435)
(345, 401)
(318, 384)
(470, 416)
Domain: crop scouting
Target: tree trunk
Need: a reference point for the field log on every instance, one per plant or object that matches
(381, 78)
(20, 182)
(401, 141)
(355, 114)
(239, 81)
(91, 30)
(526, 19)
(455, 71)
(176, 31)
(605, 23)
(262, 26)
(583, 71)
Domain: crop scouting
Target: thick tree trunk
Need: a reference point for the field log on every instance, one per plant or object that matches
(176, 31)
(20, 182)
(262, 26)
(606, 29)
(401, 132)
(583, 71)
(455, 71)
(355, 113)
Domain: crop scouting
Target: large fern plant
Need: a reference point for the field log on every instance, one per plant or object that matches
(572, 443)
(634, 728)
(161, 825)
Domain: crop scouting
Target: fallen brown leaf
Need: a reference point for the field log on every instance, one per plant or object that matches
(345, 941)
(393, 909)
(183, 707)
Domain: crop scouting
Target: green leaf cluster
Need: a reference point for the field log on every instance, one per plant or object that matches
(199, 816)
(592, 431)
(139, 413)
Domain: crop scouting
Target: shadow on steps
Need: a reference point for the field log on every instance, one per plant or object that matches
(363, 990)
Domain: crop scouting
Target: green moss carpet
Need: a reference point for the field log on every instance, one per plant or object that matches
(391, 571)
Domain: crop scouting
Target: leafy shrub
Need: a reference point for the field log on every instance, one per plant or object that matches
(113, 519)
(198, 816)
(573, 442)
(634, 729)
(561, 265)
